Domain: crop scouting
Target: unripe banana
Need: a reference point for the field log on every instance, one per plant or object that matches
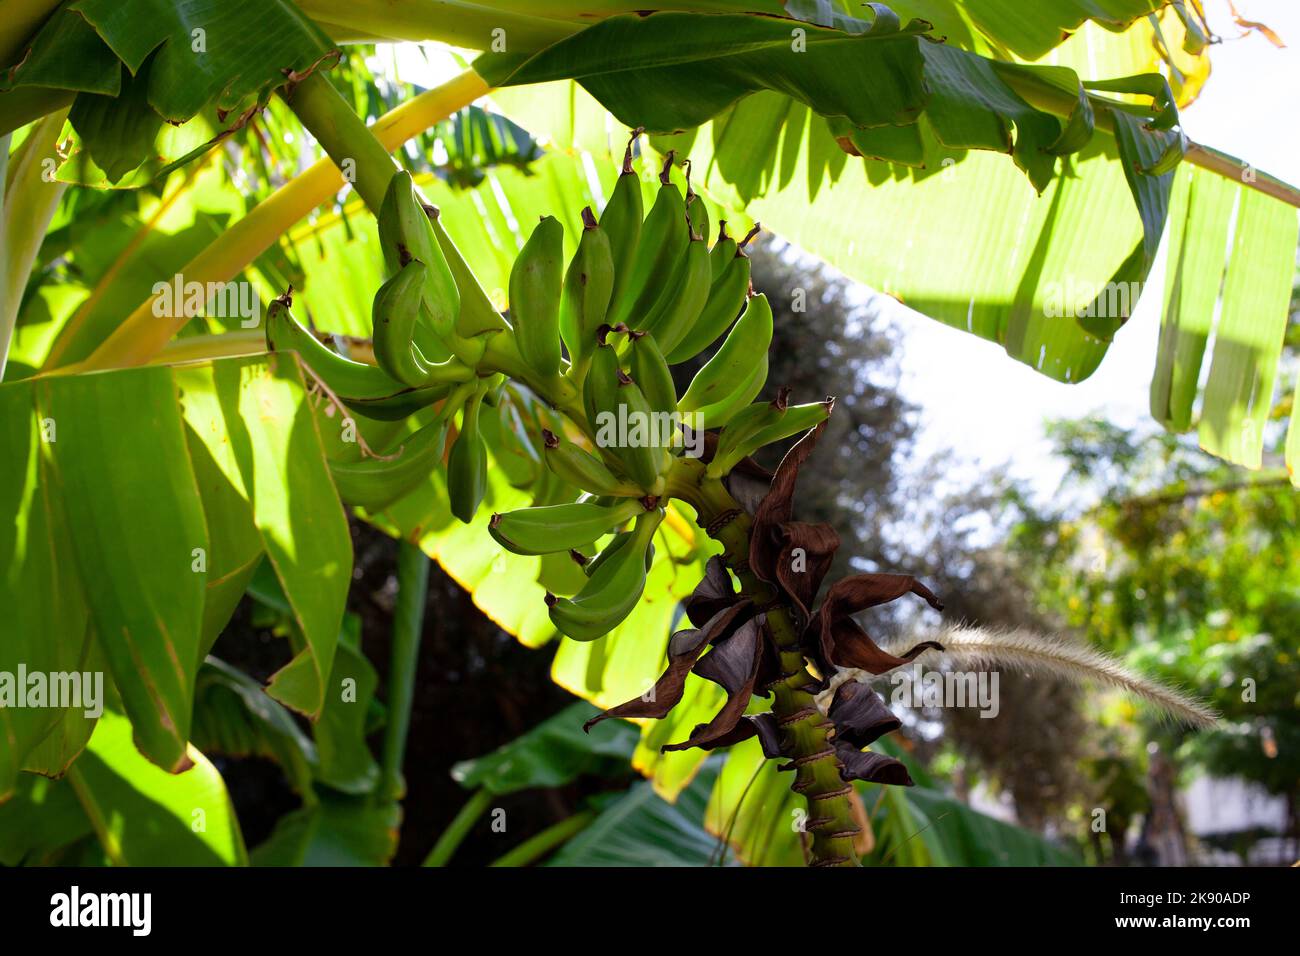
(588, 287)
(405, 232)
(621, 221)
(624, 421)
(362, 387)
(746, 343)
(696, 212)
(679, 307)
(399, 405)
(347, 378)
(477, 315)
(726, 298)
(616, 543)
(747, 421)
(375, 483)
(762, 424)
(560, 527)
(613, 589)
(394, 313)
(580, 468)
(536, 281)
(720, 413)
(664, 236)
(647, 455)
(723, 251)
(797, 418)
(649, 370)
(467, 464)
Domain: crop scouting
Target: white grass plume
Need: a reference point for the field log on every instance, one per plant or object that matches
(976, 647)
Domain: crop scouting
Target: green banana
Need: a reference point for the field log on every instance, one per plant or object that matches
(375, 483)
(679, 308)
(798, 418)
(364, 388)
(621, 220)
(747, 341)
(467, 463)
(399, 405)
(648, 369)
(664, 236)
(624, 421)
(536, 281)
(588, 286)
(477, 315)
(617, 542)
(726, 297)
(697, 213)
(394, 315)
(565, 527)
(761, 424)
(723, 251)
(580, 468)
(284, 333)
(613, 589)
(747, 421)
(406, 232)
(721, 412)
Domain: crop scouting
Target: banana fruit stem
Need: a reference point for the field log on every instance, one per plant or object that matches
(347, 140)
(831, 824)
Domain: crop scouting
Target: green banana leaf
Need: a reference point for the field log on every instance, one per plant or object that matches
(148, 529)
(40, 817)
(333, 831)
(234, 717)
(129, 68)
(145, 816)
(987, 26)
(640, 828)
(956, 835)
(552, 754)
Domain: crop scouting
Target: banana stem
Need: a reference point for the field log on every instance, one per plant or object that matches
(408, 622)
(538, 846)
(831, 823)
(142, 334)
(345, 138)
(459, 828)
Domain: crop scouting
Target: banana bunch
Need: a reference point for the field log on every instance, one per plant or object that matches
(594, 339)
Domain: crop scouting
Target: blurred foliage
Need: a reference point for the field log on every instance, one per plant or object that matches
(1191, 570)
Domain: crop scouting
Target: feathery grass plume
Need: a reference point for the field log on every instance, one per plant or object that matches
(1053, 656)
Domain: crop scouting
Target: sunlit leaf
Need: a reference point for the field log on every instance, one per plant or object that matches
(145, 816)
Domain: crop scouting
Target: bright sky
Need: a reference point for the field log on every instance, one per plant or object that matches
(990, 409)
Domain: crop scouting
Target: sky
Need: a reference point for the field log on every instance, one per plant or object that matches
(990, 410)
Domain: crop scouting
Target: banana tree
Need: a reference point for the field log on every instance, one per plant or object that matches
(503, 396)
